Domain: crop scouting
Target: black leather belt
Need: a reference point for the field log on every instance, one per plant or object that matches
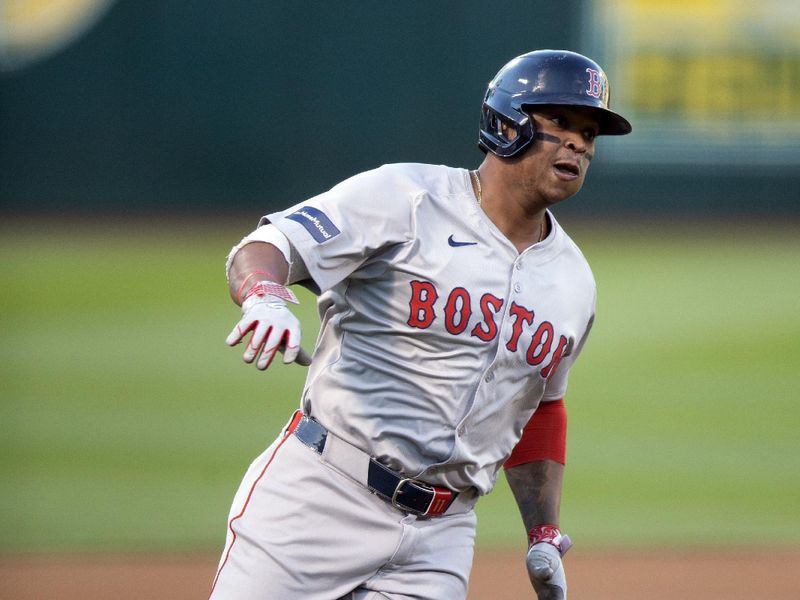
(405, 493)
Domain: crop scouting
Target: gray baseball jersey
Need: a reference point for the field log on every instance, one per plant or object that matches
(438, 339)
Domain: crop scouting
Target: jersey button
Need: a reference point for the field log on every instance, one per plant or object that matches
(517, 287)
(461, 430)
(488, 378)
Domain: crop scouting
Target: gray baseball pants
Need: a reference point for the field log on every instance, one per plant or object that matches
(299, 529)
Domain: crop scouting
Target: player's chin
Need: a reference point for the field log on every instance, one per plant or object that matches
(561, 189)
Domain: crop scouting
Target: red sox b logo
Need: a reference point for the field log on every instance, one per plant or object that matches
(595, 83)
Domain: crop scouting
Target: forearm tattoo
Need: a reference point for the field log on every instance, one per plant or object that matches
(537, 489)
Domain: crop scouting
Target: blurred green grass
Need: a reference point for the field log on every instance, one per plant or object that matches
(126, 422)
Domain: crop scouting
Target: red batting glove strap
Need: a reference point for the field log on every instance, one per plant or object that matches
(549, 534)
(270, 288)
(269, 277)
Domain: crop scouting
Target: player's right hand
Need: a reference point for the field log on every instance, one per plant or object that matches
(272, 325)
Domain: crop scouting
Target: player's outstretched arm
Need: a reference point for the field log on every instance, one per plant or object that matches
(256, 279)
(537, 487)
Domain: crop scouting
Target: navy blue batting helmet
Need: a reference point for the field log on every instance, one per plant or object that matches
(543, 77)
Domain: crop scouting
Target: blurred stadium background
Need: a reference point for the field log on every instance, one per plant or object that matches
(140, 139)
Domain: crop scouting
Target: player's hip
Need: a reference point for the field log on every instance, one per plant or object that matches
(303, 529)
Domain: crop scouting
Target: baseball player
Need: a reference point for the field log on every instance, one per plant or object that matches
(453, 306)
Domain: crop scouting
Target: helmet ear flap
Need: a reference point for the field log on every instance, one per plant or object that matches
(501, 129)
(504, 136)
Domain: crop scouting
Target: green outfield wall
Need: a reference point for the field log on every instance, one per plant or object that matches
(219, 107)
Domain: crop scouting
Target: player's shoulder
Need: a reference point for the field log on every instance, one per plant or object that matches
(422, 177)
(414, 170)
(572, 252)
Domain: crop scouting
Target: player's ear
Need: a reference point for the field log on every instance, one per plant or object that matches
(502, 128)
(508, 131)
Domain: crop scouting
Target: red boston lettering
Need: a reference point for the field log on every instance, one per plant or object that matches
(456, 325)
(490, 306)
(458, 312)
(423, 296)
(540, 344)
(521, 315)
(548, 371)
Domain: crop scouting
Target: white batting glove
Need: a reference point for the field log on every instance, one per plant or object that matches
(274, 328)
(545, 569)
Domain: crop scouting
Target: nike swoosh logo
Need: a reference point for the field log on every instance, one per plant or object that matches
(456, 244)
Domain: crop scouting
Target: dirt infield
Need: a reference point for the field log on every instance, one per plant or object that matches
(621, 575)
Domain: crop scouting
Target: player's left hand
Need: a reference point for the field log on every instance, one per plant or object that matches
(545, 569)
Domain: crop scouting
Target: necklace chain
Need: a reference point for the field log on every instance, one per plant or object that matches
(476, 179)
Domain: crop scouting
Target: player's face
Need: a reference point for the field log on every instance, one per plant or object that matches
(557, 163)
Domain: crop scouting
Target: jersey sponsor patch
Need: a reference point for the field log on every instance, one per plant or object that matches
(316, 223)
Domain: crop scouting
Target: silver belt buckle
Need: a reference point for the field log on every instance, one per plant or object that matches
(397, 504)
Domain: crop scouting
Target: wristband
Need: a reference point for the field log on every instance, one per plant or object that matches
(239, 298)
(549, 534)
(270, 288)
